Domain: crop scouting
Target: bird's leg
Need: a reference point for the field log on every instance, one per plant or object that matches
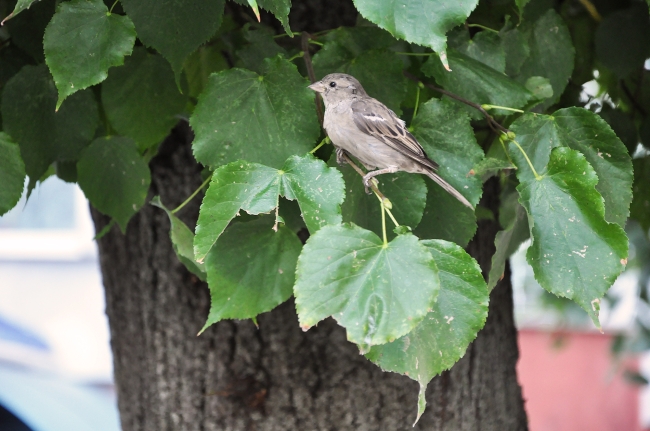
(340, 156)
(370, 175)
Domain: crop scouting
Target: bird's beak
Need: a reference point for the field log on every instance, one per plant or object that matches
(317, 86)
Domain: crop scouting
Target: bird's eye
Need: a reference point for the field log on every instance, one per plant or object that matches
(332, 84)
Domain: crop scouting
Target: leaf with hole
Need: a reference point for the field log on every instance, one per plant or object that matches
(377, 292)
(441, 339)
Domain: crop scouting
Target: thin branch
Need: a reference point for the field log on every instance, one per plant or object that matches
(591, 9)
(494, 125)
(310, 72)
(373, 185)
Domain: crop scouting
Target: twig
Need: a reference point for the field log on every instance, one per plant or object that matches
(310, 72)
(373, 186)
(494, 125)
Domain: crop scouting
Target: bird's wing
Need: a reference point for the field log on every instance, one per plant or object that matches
(375, 119)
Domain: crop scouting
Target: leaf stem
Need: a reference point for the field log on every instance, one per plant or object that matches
(417, 102)
(300, 54)
(315, 42)
(178, 208)
(110, 11)
(383, 222)
(325, 140)
(505, 108)
(483, 27)
(532, 168)
(390, 214)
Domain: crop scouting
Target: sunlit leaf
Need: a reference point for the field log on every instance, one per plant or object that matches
(12, 173)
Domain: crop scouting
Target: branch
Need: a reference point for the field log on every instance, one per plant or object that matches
(373, 184)
(494, 125)
(310, 72)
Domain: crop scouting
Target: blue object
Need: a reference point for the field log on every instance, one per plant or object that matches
(45, 402)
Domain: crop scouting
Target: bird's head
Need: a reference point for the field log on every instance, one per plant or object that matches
(336, 87)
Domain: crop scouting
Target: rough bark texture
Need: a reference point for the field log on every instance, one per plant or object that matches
(238, 377)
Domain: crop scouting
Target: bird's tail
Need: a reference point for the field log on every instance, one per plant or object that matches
(449, 188)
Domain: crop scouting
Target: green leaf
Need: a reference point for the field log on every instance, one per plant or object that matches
(261, 45)
(444, 131)
(485, 47)
(201, 64)
(251, 270)
(574, 253)
(477, 82)
(516, 48)
(241, 115)
(27, 29)
(255, 188)
(377, 292)
(445, 217)
(82, 41)
(279, 8)
(182, 240)
(586, 132)
(622, 40)
(442, 338)
(521, 4)
(640, 208)
(21, 5)
(540, 87)
(551, 53)
(12, 173)
(379, 72)
(114, 177)
(407, 193)
(43, 134)
(175, 28)
(141, 100)
(513, 218)
(424, 22)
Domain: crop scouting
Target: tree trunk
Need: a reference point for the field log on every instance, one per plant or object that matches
(238, 377)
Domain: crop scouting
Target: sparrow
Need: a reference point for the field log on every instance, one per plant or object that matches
(365, 128)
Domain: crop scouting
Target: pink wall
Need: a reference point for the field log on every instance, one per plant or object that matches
(570, 383)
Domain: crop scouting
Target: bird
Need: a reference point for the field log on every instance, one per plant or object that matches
(367, 129)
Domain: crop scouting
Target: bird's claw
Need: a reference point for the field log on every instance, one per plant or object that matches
(340, 156)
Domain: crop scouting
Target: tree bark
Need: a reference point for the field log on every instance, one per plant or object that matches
(238, 377)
